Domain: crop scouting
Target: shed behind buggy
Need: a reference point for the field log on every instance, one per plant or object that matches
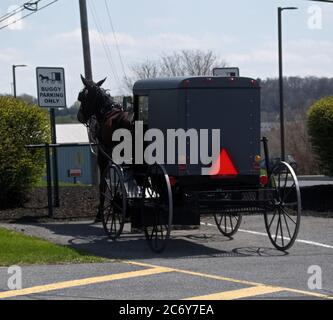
(155, 197)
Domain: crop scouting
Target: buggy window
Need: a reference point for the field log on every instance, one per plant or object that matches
(143, 109)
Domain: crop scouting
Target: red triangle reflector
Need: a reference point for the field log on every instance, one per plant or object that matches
(223, 166)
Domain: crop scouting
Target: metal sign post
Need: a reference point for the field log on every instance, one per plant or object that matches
(52, 94)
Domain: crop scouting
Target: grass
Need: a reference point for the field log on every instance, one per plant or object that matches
(19, 249)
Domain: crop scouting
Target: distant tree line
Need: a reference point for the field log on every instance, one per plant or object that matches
(299, 95)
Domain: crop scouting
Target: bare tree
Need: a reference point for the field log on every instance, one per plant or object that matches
(182, 63)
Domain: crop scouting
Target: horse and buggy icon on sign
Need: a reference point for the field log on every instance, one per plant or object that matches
(53, 78)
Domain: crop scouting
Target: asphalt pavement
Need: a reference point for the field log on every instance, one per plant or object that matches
(197, 264)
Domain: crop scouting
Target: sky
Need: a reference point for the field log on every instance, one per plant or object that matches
(241, 32)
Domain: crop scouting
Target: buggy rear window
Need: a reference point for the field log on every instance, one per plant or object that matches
(143, 109)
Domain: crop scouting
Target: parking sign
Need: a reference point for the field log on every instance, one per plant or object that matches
(51, 87)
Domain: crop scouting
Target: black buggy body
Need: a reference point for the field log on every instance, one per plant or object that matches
(231, 105)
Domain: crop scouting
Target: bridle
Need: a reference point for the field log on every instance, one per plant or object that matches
(82, 98)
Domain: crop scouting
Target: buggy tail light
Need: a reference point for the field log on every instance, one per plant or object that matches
(173, 181)
(263, 180)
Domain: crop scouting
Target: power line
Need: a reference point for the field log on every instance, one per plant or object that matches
(19, 9)
(29, 14)
(103, 41)
(11, 13)
(115, 38)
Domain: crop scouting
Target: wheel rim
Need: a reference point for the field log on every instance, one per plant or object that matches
(228, 222)
(157, 208)
(114, 208)
(283, 214)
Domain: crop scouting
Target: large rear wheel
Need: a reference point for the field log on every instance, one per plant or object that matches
(283, 214)
(157, 207)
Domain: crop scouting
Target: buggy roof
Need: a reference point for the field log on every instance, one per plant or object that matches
(194, 82)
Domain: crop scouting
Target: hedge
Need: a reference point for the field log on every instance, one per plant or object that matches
(320, 124)
(20, 124)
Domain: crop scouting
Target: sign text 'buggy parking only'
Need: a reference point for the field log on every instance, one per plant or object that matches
(51, 87)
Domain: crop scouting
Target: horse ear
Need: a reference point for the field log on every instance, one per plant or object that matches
(84, 80)
(100, 83)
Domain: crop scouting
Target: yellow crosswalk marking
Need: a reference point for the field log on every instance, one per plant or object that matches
(83, 282)
(238, 294)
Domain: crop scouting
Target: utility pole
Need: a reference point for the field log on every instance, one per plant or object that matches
(85, 39)
(282, 129)
(88, 73)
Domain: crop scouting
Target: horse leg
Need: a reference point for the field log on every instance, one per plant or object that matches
(102, 164)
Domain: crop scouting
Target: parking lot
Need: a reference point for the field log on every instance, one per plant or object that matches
(198, 264)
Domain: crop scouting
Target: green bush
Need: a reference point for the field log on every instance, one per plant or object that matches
(320, 123)
(20, 124)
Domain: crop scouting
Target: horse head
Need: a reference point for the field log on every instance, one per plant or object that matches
(90, 97)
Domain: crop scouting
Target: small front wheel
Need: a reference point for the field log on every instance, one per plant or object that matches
(115, 201)
(228, 222)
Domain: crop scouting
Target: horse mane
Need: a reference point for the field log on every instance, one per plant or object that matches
(107, 103)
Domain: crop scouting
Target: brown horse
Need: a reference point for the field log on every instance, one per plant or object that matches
(97, 104)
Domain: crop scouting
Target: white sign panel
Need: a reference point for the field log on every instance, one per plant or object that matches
(226, 72)
(51, 87)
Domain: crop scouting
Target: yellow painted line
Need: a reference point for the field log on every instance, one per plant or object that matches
(238, 294)
(216, 277)
(83, 282)
(193, 273)
(309, 293)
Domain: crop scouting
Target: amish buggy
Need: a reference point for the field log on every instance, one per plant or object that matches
(156, 195)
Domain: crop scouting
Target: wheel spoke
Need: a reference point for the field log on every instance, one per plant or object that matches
(281, 230)
(270, 224)
(277, 227)
(231, 224)
(286, 213)
(289, 192)
(285, 220)
(221, 218)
